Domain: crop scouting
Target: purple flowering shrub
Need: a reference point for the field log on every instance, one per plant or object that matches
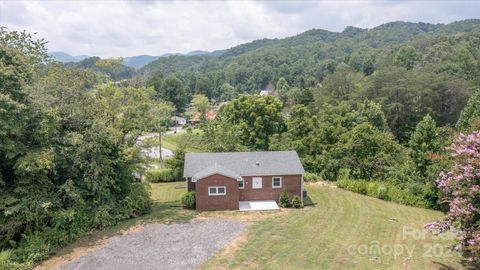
(460, 188)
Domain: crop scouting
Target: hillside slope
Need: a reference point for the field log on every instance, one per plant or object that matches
(342, 231)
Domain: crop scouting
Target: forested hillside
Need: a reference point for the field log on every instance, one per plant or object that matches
(374, 108)
(114, 69)
(409, 68)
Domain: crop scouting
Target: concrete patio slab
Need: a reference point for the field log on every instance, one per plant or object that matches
(257, 205)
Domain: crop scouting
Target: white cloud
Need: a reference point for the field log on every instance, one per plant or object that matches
(125, 28)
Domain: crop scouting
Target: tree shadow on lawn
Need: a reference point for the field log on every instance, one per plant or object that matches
(307, 201)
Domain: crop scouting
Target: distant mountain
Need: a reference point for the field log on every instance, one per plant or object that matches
(139, 60)
(65, 57)
(192, 53)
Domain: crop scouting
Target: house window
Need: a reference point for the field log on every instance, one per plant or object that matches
(276, 182)
(241, 184)
(217, 191)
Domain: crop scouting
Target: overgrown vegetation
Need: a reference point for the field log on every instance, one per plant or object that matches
(160, 175)
(67, 151)
(385, 191)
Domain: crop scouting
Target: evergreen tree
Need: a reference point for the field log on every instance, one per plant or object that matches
(470, 114)
(423, 142)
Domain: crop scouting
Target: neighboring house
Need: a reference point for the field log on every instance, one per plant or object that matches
(210, 115)
(266, 93)
(222, 181)
(269, 90)
(178, 121)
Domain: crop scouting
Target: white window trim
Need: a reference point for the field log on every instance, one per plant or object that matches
(253, 182)
(243, 186)
(279, 177)
(216, 189)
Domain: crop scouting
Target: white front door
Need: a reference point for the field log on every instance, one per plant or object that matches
(257, 182)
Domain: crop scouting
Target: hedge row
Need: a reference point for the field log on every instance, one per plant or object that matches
(160, 175)
(383, 190)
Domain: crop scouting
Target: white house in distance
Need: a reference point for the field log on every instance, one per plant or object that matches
(178, 121)
(269, 90)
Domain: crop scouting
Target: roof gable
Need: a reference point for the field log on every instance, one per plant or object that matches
(215, 169)
(244, 163)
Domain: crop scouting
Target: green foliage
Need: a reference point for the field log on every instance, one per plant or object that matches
(296, 202)
(113, 67)
(248, 121)
(395, 88)
(282, 88)
(170, 89)
(66, 152)
(6, 262)
(175, 164)
(383, 190)
(227, 92)
(188, 199)
(311, 177)
(221, 136)
(23, 42)
(284, 200)
(406, 57)
(369, 153)
(160, 175)
(371, 112)
(424, 142)
(138, 202)
(200, 103)
(470, 114)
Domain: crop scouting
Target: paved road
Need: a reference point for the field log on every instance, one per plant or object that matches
(152, 152)
(159, 246)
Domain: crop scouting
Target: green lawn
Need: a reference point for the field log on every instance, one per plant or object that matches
(193, 141)
(167, 192)
(316, 237)
(320, 237)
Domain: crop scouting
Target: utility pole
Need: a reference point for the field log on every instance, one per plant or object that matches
(160, 146)
(175, 123)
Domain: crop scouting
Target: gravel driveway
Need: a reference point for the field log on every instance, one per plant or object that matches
(161, 246)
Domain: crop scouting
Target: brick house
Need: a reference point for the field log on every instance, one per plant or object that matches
(226, 181)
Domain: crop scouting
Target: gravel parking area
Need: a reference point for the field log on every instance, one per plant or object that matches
(161, 246)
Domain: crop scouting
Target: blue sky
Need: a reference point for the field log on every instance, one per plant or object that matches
(110, 28)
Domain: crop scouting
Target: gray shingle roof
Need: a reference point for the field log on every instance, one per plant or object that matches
(244, 163)
(213, 169)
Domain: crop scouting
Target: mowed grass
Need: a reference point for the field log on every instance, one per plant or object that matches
(341, 232)
(193, 141)
(167, 192)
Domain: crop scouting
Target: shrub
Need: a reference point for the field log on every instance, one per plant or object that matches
(5, 260)
(284, 201)
(385, 191)
(160, 175)
(138, 202)
(311, 177)
(382, 192)
(296, 202)
(188, 199)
